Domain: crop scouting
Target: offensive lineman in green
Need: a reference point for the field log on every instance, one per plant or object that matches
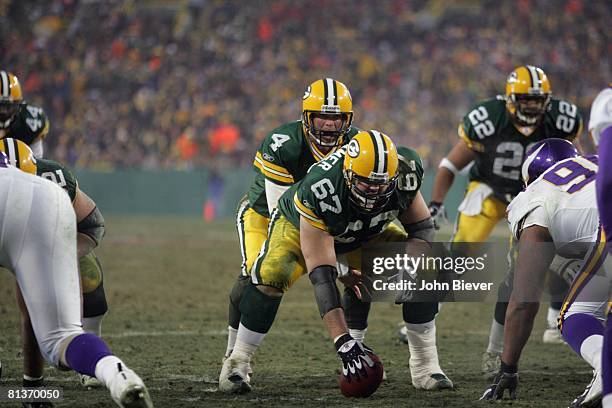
(495, 135)
(283, 158)
(344, 203)
(19, 119)
(90, 230)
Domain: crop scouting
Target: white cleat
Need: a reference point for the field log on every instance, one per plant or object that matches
(89, 382)
(591, 397)
(491, 362)
(235, 377)
(249, 369)
(433, 382)
(128, 390)
(552, 336)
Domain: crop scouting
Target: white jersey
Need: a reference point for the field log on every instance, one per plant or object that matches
(38, 244)
(562, 200)
(601, 114)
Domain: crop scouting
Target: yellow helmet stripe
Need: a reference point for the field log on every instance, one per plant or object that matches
(330, 90)
(5, 90)
(380, 159)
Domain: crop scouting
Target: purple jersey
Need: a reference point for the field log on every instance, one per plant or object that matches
(604, 181)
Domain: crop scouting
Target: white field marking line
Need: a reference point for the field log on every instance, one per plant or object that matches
(179, 333)
(161, 333)
(122, 240)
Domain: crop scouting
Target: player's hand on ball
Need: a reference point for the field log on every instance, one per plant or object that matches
(505, 379)
(438, 214)
(362, 370)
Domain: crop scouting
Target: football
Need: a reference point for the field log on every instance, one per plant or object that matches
(365, 385)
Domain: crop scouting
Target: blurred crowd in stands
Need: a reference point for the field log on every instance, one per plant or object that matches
(188, 83)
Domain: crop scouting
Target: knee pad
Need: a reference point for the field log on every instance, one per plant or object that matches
(90, 270)
(234, 300)
(94, 303)
(355, 311)
(257, 309)
(419, 312)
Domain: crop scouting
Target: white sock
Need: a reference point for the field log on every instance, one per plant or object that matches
(496, 338)
(590, 350)
(247, 342)
(551, 317)
(93, 325)
(357, 334)
(231, 340)
(106, 369)
(423, 351)
(606, 402)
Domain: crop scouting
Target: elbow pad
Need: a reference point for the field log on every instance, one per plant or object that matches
(326, 292)
(92, 226)
(424, 230)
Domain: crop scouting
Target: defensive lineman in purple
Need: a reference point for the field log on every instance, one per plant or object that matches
(600, 127)
(556, 215)
(38, 244)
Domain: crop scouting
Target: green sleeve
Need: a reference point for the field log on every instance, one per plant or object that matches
(307, 199)
(410, 176)
(37, 121)
(278, 156)
(481, 122)
(58, 174)
(566, 118)
(318, 197)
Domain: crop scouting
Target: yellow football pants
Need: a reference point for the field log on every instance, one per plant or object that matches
(477, 228)
(281, 263)
(252, 233)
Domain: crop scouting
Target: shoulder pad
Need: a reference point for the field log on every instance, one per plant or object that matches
(59, 174)
(565, 118)
(482, 120)
(601, 114)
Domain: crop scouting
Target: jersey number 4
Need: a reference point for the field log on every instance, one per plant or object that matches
(278, 139)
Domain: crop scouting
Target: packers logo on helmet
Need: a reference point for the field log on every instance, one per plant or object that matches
(370, 170)
(11, 98)
(19, 154)
(327, 99)
(527, 95)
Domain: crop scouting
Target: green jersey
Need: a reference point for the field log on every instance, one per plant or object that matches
(284, 157)
(322, 198)
(500, 148)
(58, 174)
(29, 125)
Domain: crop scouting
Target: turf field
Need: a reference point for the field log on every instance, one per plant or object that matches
(167, 281)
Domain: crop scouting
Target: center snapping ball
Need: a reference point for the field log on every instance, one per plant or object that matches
(365, 382)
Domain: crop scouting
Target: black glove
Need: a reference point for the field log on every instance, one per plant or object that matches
(354, 355)
(505, 379)
(438, 214)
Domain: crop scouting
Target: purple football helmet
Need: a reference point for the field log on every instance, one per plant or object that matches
(543, 155)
